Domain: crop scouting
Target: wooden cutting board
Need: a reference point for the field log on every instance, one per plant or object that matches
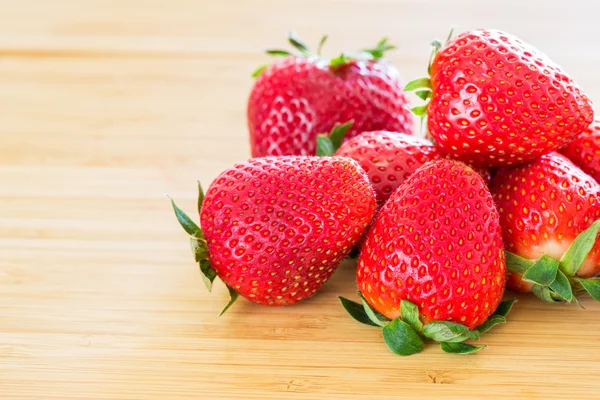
(105, 106)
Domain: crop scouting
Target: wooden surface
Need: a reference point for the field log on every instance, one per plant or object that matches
(105, 106)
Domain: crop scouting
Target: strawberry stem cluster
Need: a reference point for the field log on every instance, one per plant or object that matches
(200, 248)
(556, 280)
(328, 144)
(405, 335)
(422, 86)
(300, 49)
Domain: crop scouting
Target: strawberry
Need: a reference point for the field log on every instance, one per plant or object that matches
(497, 101)
(434, 256)
(389, 158)
(584, 151)
(303, 94)
(547, 212)
(274, 229)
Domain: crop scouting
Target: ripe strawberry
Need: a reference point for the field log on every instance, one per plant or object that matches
(547, 212)
(584, 151)
(436, 247)
(274, 229)
(304, 94)
(498, 101)
(389, 158)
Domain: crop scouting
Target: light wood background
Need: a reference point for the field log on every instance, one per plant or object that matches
(105, 106)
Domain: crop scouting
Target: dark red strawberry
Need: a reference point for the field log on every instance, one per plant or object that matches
(436, 247)
(274, 229)
(548, 210)
(497, 101)
(584, 151)
(304, 94)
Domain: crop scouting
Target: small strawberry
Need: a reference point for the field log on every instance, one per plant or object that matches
(497, 101)
(274, 229)
(547, 212)
(389, 158)
(303, 94)
(584, 151)
(434, 256)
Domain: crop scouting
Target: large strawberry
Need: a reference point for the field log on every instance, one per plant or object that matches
(434, 256)
(497, 101)
(584, 151)
(274, 229)
(304, 94)
(547, 212)
(389, 158)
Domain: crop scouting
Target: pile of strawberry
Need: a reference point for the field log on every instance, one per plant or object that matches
(441, 225)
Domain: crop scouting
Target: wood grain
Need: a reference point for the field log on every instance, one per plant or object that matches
(105, 106)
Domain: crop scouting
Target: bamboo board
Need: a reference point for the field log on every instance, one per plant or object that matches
(105, 106)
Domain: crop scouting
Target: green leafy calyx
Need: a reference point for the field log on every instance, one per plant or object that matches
(402, 339)
(556, 280)
(445, 331)
(321, 44)
(199, 246)
(328, 144)
(406, 334)
(542, 272)
(259, 71)
(357, 311)
(460, 348)
(378, 51)
(300, 49)
(340, 61)
(592, 286)
(422, 86)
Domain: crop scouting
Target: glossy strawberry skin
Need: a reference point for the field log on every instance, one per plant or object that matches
(388, 158)
(277, 227)
(437, 242)
(584, 151)
(543, 207)
(297, 98)
(498, 101)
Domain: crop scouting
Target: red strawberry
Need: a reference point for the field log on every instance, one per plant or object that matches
(498, 101)
(584, 151)
(544, 208)
(389, 158)
(436, 243)
(304, 94)
(274, 229)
